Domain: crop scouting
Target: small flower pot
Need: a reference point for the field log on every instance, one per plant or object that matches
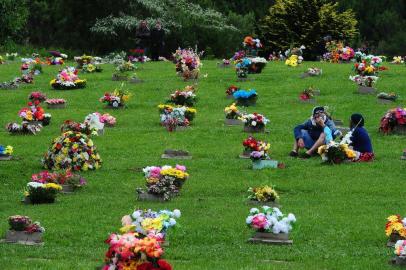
(144, 196)
(56, 106)
(251, 129)
(24, 238)
(365, 90)
(232, 122)
(264, 163)
(6, 157)
(271, 238)
(393, 238)
(245, 154)
(176, 154)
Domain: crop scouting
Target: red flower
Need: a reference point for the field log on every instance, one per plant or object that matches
(30, 103)
(162, 265)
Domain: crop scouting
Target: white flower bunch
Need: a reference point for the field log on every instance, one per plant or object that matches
(93, 120)
(258, 60)
(34, 185)
(270, 220)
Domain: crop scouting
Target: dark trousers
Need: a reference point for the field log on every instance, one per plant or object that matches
(156, 51)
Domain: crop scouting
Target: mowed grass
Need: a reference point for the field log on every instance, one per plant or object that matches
(340, 210)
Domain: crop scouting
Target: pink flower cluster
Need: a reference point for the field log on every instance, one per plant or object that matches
(55, 101)
(107, 119)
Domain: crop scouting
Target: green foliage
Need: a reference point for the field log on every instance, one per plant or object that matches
(13, 18)
(305, 22)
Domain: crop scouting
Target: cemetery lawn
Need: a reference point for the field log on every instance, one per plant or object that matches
(341, 210)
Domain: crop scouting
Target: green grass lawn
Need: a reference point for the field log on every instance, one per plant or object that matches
(341, 210)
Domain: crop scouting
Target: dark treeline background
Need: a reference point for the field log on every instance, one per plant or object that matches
(216, 26)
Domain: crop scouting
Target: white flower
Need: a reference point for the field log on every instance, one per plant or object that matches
(248, 220)
(172, 221)
(276, 212)
(176, 213)
(277, 228)
(254, 211)
(253, 123)
(291, 218)
(34, 184)
(136, 214)
(166, 167)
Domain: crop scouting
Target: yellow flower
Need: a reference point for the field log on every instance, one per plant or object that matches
(350, 153)
(85, 167)
(369, 69)
(127, 228)
(191, 110)
(91, 68)
(90, 143)
(175, 173)
(393, 218)
(322, 149)
(152, 224)
(9, 150)
(52, 82)
(53, 186)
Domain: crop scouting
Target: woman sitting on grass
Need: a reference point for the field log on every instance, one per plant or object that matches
(360, 141)
(313, 133)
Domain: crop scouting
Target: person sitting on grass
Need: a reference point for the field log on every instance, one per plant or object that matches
(360, 141)
(313, 133)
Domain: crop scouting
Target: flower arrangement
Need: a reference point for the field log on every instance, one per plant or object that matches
(336, 153)
(60, 178)
(42, 193)
(74, 151)
(6, 151)
(232, 112)
(34, 113)
(231, 89)
(83, 60)
(226, 63)
(263, 194)
(387, 96)
(400, 248)
(24, 128)
(116, 99)
(154, 224)
(41, 97)
(187, 63)
(108, 120)
(395, 225)
(252, 144)
(293, 60)
(131, 251)
(123, 70)
(185, 97)
(367, 81)
(250, 42)
(55, 101)
(67, 79)
(91, 68)
(307, 94)
(393, 118)
(25, 78)
(173, 117)
(338, 52)
(314, 71)
(57, 58)
(254, 120)
(24, 224)
(259, 155)
(242, 67)
(70, 125)
(244, 97)
(138, 55)
(271, 220)
(398, 60)
(238, 56)
(365, 68)
(165, 181)
(93, 120)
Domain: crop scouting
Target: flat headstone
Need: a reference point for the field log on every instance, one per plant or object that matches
(23, 238)
(5, 157)
(232, 122)
(366, 90)
(176, 154)
(270, 238)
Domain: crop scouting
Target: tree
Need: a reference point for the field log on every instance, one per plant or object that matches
(14, 14)
(292, 23)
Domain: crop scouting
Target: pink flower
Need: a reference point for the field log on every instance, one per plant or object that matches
(155, 172)
(259, 221)
(180, 167)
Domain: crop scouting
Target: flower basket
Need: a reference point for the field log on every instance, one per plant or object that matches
(264, 163)
(246, 102)
(251, 129)
(56, 106)
(22, 237)
(176, 154)
(271, 238)
(245, 154)
(393, 238)
(232, 122)
(365, 90)
(5, 157)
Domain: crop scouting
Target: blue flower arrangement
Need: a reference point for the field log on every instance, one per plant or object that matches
(244, 94)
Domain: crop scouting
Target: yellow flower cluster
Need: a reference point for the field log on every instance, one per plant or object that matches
(175, 173)
(53, 186)
(348, 152)
(8, 150)
(152, 224)
(395, 225)
(91, 68)
(264, 193)
(292, 61)
(231, 109)
(264, 146)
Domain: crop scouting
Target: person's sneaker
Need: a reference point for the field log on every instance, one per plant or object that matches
(293, 154)
(305, 155)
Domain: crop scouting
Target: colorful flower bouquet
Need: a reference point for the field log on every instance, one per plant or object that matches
(117, 99)
(395, 229)
(263, 194)
(393, 120)
(307, 95)
(245, 98)
(294, 60)
(338, 53)
(68, 79)
(94, 122)
(25, 78)
(6, 152)
(138, 55)
(164, 182)
(312, 72)
(254, 122)
(24, 128)
(55, 103)
(364, 81)
(398, 60)
(83, 60)
(57, 58)
(41, 97)
(150, 223)
(108, 120)
(68, 180)
(70, 125)
(41, 193)
(230, 91)
(74, 151)
(174, 118)
(270, 225)
(336, 153)
(35, 114)
(400, 252)
(187, 63)
(251, 144)
(22, 230)
(186, 97)
(232, 112)
(242, 68)
(124, 71)
(252, 45)
(238, 56)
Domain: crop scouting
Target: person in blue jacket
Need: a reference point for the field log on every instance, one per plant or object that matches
(313, 133)
(360, 141)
